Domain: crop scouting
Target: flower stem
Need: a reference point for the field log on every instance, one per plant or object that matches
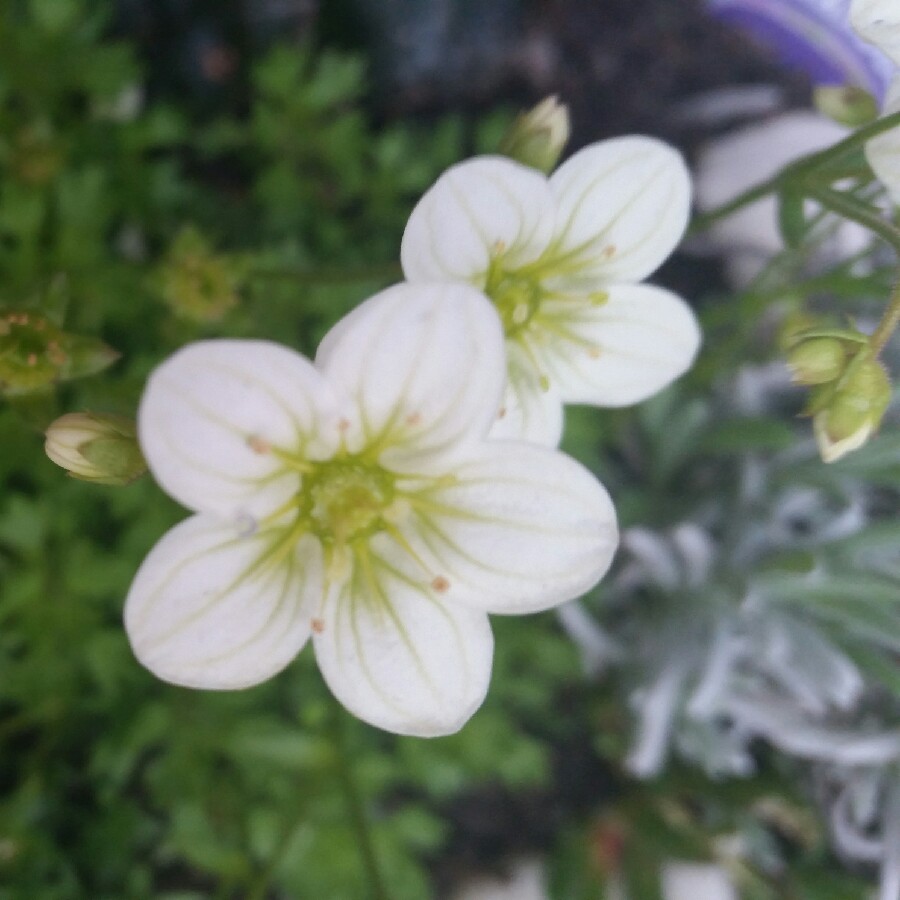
(798, 172)
(355, 807)
(889, 321)
(851, 208)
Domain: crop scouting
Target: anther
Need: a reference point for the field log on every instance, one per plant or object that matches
(501, 413)
(440, 584)
(258, 445)
(414, 419)
(318, 626)
(594, 352)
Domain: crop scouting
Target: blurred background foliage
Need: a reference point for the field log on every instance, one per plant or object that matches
(165, 178)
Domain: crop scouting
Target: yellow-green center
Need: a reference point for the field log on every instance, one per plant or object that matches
(345, 498)
(516, 296)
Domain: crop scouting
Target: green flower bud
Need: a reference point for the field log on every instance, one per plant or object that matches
(847, 105)
(817, 360)
(854, 411)
(793, 326)
(196, 283)
(35, 353)
(537, 137)
(93, 447)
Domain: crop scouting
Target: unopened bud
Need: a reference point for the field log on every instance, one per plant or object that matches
(35, 353)
(94, 447)
(793, 326)
(817, 360)
(854, 411)
(847, 105)
(537, 137)
(197, 284)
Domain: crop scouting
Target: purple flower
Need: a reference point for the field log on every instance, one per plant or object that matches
(811, 35)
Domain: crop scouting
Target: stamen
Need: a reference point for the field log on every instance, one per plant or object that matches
(440, 584)
(317, 625)
(258, 444)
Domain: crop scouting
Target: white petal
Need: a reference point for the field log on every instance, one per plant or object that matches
(396, 655)
(531, 411)
(477, 209)
(622, 207)
(425, 365)
(212, 413)
(211, 608)
(883, 152)
(519, 528)
(878, 22)
(622, 351)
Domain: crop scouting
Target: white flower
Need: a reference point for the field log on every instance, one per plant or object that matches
(883, 152)
(560, 258)
(356, 500)
(878, 22)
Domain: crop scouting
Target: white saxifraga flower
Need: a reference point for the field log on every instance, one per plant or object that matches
(560, 259)
(356, 500)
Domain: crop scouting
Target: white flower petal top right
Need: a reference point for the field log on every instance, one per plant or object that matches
(560, 258)
(878, 22)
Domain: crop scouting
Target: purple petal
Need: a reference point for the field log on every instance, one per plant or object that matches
(811, 35)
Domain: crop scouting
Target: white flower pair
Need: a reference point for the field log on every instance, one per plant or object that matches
(370, 500)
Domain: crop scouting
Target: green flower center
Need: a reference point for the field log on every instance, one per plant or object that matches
(517, 297)
(345, 498)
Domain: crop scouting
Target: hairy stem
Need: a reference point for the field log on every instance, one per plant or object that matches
(889, 321)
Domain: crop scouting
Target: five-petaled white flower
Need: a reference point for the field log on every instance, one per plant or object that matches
(560, 258)
(357, 500)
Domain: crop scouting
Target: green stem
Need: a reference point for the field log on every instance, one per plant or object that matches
(843, 148)
(798, 171)
(355, 807)
(851, 208)
(384, 272)
(889, 321)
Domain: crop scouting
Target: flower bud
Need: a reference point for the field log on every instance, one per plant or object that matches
(35, 353)
(94, 447)
(846, 104)
(537, 137)
(197, 284)
(853, 412)
(817, 360)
